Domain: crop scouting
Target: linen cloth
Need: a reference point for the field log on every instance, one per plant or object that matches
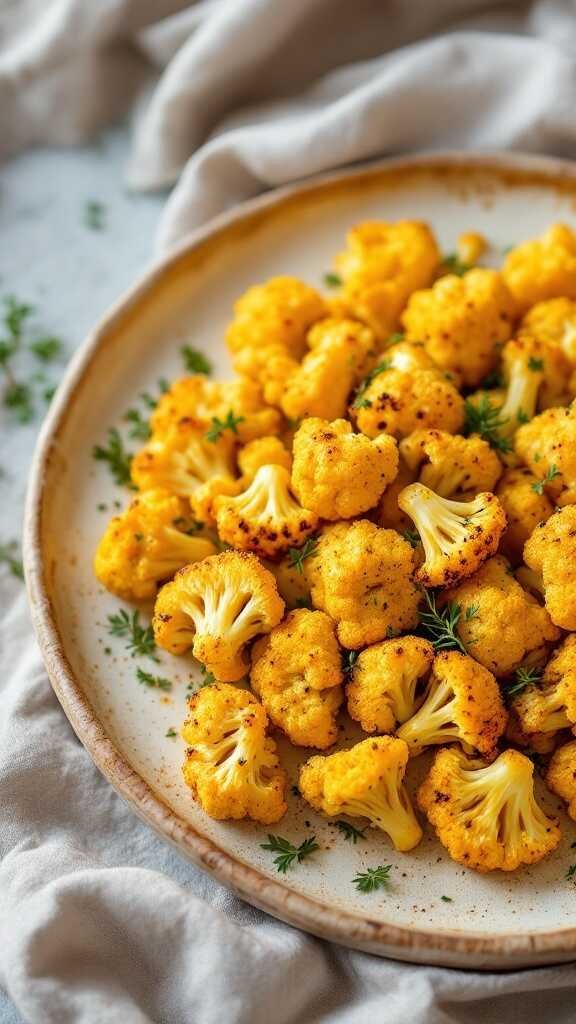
(100, 921)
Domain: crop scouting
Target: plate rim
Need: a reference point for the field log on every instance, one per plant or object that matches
(352, 929)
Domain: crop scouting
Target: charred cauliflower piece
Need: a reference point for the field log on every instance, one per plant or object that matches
(462, 321)
(338, 474)
(398, 402)
(548, 447)
(551, 705)
(297, 673)
(387, 682)
(231, 765)
(366, 781)
(551, 553)
(216, 607)
(266, 517)
(457, 536)
(500, 623)
(146, 544)
(206, 403)
(462, 704)
(486, 816)
(561, 776)
(361, 576)
(382, 266)
(543, 268)
(264, 451)
(451, 465)
(519, 494)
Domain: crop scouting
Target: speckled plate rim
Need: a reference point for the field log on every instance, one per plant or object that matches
(416, 944)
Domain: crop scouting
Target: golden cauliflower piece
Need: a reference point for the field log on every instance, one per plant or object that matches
(518, 493)
(389, 513)
(500, 623)
(462, 321)
(553, 321)
(486, 816)
(551, 553)
(231, 408)
(543, 268)
(264, 451)
(451, 465)
(471, 246)
(231, 765)
(366, 781)
(146, 544)
(386, 685)
(548, 447)
(457, 536)
(561, 776)
(462, 703)
(297, 673)
(216, 607)
(382, 266)
(339, 474)
(362, 577)
(292, 579)
(551, 705)
(266, 517)
(398, 402)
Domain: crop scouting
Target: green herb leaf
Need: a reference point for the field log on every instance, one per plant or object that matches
(350, 832)
(439, 624)
(524, 677)
(349, 659)
(551, 475)
(115, 455)
(297, 556)
(94, 215)
(332, 280)
(471, 612)
(447, 899)
(484, 419)
(360, 402)
(452, 264)
(219, 426)
(139, 426)
(46, 349)
(153, 682)
(288, 854)
(195, 361)
(536, 365)
(10, 557)
(396, 338)
(207, 677)
(304, 602)
(412, 536)
(18, 398)
(373, 878)
(139, 638)
(171, 733)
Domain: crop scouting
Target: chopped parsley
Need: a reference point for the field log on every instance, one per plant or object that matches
(287, 854)
(332, 280)
(484, 418)
(195, 361)
(207, 677)
(350, 832)
(360, 402)
(447, 899)
(551, 474)
(412, 536)
(171, 733)
(536, 365)
(116, 457)
(139, 426)
(153, 682)
(373, 878)
(452, 264)
(219, 426)
(139, 638)
(10, 557)
(349, 659)
(297, 556)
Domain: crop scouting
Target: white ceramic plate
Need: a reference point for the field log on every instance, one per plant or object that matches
(494, 921)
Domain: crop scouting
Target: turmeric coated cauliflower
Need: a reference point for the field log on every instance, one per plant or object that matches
(366, 781)
(551, 704)
(553, 321)
(500, 623)
(207, 403)
(462, 704)
(146, 544)
(551, 553)
(457, 536)
(230, 764)
(399, 402)
(543, 268)
(462, 321)
(362, 577)
(266, 517)
(486, 816)
(297, 673)
(451, 465)
(518, 492)
(548, 447)
(561, 776)
(387, 682)
(389, 513)
(264, 451)
(382, 266)
(292, 580)
(216, 607)
(339, 474)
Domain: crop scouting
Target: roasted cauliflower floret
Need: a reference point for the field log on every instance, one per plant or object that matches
(518, 492)
(339, 474)
(266, 517)
(471, 246)
(551, 705)
(231, 408)
(388, 513)
(486, 816)
(462, 703)
(500, 623)
(362, 577)
(554, 323)
(451, 465)
(146, 544)
(548, 447)
(398, 402)
(551, 553)
(457, 536)
(462, 321)
(264, 451)
(216, 607)
(387, 682)
(561, 776)
(366, 781)
(382, 266)
(543, 268)
(231, 765)
(292, 580)
(297, 673)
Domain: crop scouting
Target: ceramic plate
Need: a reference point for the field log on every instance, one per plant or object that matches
(494, 921)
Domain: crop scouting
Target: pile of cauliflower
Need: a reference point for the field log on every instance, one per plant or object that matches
(377, 516)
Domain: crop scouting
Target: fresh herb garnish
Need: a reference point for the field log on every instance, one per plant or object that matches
(373, 878)
(484, 418)
(439, 624)
(297, 556)
(332, 280)
(447, 899)
(195, 361)
(139, 426)
(471, 612)
(18, 398)
(46, 349)
(94, 214)
(115, 455)
(171, 733)
(349, 659)
(535, 364)
(412, 536)
(207, 677)
(9, 556)
(288, 854)
(551, 474)
(492, 380)
(452, 264)
(219, 426)
(396, 338)
(350, 832)
(140, 639)
(304, 602)
(360, 402)
(153, 682)
(524, 677)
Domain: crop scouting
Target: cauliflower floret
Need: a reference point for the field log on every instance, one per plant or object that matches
(366, 781)
(554, 322)
(292, 580)
(399, 402)
(471, 246)
(362, 577)
(561, 776)
(457, 536)
(216, 607)
(389, 513)
(339, 474)
(382, 266)
(548, 446)
(451, 465)
(462, 703)
(525, 507)
(230, 764)
(551, 705)
(264, 451)
(462, 321)
(266, 517)
(543, 268)
(487, 816)
(386, 685)
(551, 553)
(146, 544)
(297, 673)
(231, 407)
(500, 623)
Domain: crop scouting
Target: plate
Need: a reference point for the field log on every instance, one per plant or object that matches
(493, 921)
